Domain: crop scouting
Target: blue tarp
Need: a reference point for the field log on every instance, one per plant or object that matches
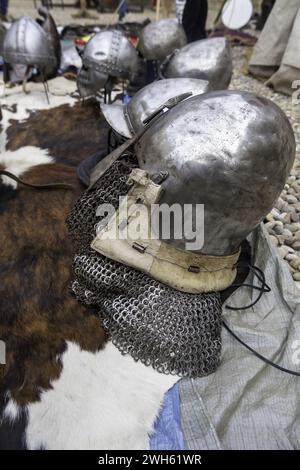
(168, 433)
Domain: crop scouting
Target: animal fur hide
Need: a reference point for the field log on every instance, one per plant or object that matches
(61, 387)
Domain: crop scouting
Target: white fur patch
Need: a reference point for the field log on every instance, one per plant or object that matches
(21, 160)
(100, 401)
(11, 411)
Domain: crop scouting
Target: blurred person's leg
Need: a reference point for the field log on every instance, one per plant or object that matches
(266, 8)
(194, 19)
(3, 8)
(123, 10)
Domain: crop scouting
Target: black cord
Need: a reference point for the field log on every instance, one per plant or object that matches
(257, 354)
(36, 186)
(262, 289)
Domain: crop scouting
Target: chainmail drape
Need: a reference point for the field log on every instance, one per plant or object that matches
(175, 332)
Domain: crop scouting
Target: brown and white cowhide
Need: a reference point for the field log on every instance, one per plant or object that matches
(63, 386)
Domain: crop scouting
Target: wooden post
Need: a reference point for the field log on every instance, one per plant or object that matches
(157, 9)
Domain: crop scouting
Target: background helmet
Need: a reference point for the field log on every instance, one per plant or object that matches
(128, 120)
(107, 54)
(26, 43)
(160, 38)
(231, 151)
(209, 59)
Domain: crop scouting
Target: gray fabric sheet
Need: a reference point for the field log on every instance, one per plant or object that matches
(247, 404)
(274, 38)
(277, 51)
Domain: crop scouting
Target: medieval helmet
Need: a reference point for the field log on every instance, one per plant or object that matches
(209, 59)
(26, 43)
(129, 120)
(229, 150)
(107, 54)
(160, 38)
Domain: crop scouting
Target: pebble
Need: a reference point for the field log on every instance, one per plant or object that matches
(294, 217)
(291, 269)
(295, 263)
(291, 199)
(284, 250)
(297, 235)
(296, 276)
(291, 257)
(296, 187)
(281, 239)
(289, 241)
(279, 204)
(274, 240)
(291, 179)
(287, 233)
(278, 229)
(296, 245)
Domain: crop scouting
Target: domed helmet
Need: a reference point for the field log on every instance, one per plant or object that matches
(26, 43)
(128, 120)
(160, 38)
(228, 150)
(209, 59)
(107, 54)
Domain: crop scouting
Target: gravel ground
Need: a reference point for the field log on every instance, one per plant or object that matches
(283, 223)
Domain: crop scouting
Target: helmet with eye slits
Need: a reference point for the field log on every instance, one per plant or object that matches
(107, 54)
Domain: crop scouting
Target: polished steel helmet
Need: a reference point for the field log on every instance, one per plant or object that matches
(26, 43)
(209, 59)
(229, 150)
(107, 54)
(129, 120)
(160, 38)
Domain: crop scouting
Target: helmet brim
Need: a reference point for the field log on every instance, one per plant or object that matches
(114, 115)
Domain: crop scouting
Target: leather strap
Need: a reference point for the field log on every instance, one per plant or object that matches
(36, 186)
(107, 162)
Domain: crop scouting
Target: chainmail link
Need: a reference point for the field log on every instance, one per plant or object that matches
(175, 332)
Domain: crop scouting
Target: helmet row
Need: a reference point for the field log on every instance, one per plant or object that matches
(110, 54)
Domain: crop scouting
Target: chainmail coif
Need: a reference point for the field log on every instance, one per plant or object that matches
(175, 332)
